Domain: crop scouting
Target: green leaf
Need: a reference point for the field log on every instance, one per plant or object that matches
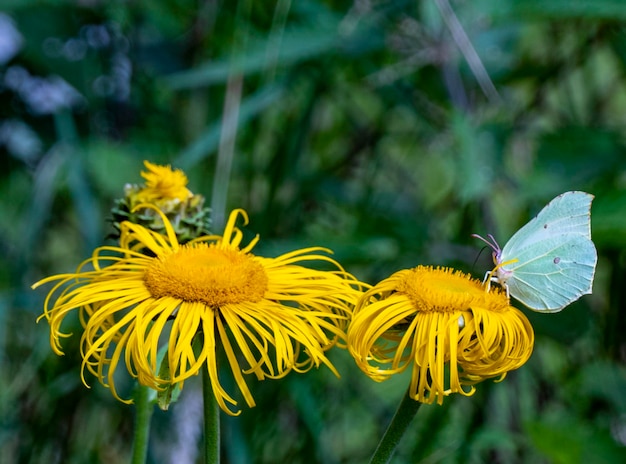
(608, 224)
(296, 45)
(208, 142)
(171, 392)
(561, 442)
(476, 157)
(607, 381)
(562, 9)
(564, 439)
(578, 154)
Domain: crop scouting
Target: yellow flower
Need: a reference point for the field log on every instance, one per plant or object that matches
(162, 185)
(165, 190)
(443, 325)
(268, 315)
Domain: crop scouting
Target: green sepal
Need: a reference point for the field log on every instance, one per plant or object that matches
(170, 393)
(190, 218)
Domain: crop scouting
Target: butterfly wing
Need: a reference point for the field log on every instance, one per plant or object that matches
(569, 213)
(554, 272)
(556, 258)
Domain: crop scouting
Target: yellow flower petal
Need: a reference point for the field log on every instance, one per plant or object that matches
(163, 184)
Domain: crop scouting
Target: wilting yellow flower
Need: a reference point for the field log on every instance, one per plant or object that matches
(268, 315)
(444, 326)
(162, 184)
(165, 190)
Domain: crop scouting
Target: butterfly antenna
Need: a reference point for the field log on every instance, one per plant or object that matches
(478, 256)
(491, 243)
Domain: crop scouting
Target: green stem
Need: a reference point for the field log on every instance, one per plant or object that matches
(211, 421)
(401, 420)
(142, 424)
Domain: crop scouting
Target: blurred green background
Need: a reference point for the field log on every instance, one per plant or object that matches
(388, 131)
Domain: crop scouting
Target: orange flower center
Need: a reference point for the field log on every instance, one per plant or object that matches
(201, 272)
(447, 290)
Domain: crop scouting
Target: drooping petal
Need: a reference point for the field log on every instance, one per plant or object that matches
(441, 324)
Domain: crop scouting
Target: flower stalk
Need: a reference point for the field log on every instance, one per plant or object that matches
(395, 431)
(143, 415)
(211, 420)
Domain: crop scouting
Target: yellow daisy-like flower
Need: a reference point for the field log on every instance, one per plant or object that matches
(162, 185)
(442, 324)
(269, 315)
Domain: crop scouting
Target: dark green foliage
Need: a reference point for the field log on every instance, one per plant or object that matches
(362, 128)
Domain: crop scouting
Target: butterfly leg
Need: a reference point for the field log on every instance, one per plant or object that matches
(502, 284)
(487, 280)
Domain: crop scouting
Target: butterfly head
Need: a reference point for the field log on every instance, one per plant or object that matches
(502, 274)
(499, 273)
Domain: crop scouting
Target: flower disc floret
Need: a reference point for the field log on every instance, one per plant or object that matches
(208, 274)
(446, 290)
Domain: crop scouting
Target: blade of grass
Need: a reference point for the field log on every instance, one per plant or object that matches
(208, 143)
(295, 46)
(226, 150)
